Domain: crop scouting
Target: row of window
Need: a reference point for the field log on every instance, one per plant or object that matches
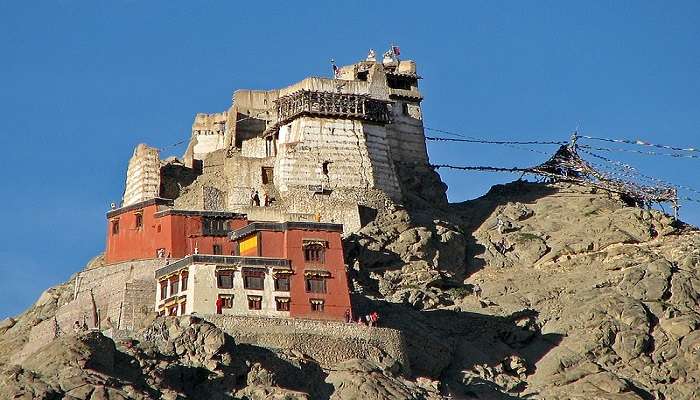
(255, 280)
(173, 286)
(252, 279)
(255, 303)
(210, 226)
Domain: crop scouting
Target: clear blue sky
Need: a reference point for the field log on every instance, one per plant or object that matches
(83, 82)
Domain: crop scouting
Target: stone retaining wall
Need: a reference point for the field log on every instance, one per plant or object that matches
(327, 342)
(124, 294)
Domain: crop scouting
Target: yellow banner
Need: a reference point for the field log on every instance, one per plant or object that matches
(249, 246)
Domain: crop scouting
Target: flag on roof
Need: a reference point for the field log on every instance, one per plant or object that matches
(336, 70)
(396, 50)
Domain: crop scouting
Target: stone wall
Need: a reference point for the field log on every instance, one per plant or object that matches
(405, 134)
(327, 342)
(255, 148)
(124, 294)
(142, 175)
(208, 132)
(334, 153)
(213, 198)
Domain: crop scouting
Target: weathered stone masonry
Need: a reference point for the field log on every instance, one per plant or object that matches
(327, 342)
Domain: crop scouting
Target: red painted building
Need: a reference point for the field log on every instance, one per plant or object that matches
(152, 229)
(229, 265)
(315, 253)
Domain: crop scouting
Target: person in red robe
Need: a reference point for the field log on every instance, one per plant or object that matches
(219, 305)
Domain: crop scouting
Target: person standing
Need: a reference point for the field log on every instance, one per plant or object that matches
(219, 305)
(256, 199)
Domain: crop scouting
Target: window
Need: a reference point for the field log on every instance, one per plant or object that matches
(316, 284)
(363, 75)
(282, 283)
(314, 253)
(163, 290)
(224, 279)
(172, 310)
(254, 302)
(174, 285)
(317, 305)
(226, 300)
(182, 308)
(254, 279)
(158, 228)
(324, 167)
(217, 249)
(400, 82)
(184, 276)
(139, 221)
(268, 174)
(270, 149)
(214, 227)
(405, 109)
(115, 227)
(282, 303)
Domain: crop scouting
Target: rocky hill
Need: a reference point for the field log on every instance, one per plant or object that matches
(547, 291)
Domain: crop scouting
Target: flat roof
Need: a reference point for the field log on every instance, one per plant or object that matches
(201, 213)
(141, 204)
(221, 260)
(285, 226)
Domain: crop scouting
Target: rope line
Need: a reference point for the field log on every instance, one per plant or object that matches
(506, 142)
(649, 153)
(480, 168)
(642, 143)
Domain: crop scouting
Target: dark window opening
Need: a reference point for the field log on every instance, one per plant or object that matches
(282, 283)
(163, 290)
(317, 305)
(324, 167)
(185, 276)
(282, 303)
(224, 280)
(158, 229)
(405, 83)
(315, 253)
(316, 284)
(268, 175)
(363, 75)
(253, 279)
(217, 249)
(174, 286)
(214, 227)
(226, 300)
(115, 227)
(254, 302)
(405, 108)
(182, 307)
(139, 221)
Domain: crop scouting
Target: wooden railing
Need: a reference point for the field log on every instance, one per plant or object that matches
(329, 104)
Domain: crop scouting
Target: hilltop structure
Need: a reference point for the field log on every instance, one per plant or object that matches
(298, 160)
(325, 149)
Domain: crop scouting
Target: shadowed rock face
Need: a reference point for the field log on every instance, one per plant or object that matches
(531, 291)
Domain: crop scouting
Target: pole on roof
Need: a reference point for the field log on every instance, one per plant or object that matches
(574, 139)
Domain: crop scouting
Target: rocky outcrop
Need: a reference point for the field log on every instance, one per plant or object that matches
(551, 291)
